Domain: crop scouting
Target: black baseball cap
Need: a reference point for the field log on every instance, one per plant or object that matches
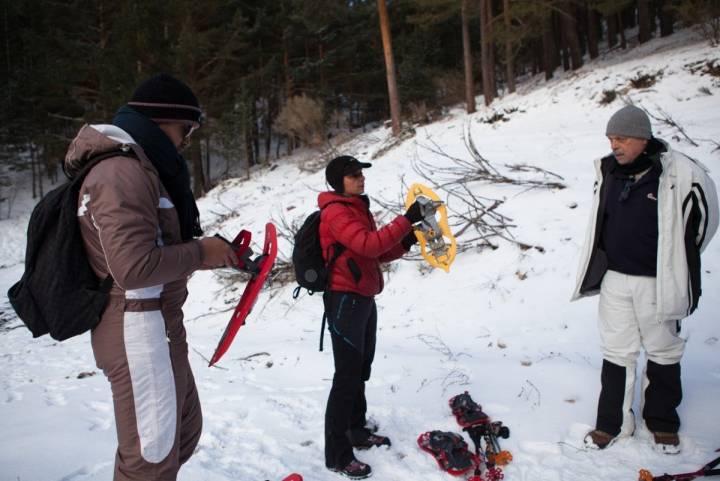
(341, 166)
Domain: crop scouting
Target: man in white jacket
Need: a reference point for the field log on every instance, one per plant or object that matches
(654, 211)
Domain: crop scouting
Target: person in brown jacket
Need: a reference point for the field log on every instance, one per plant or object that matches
(139, 221)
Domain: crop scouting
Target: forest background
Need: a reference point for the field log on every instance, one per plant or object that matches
(278, 75)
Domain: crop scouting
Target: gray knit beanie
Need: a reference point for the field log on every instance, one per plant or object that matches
(629, 121)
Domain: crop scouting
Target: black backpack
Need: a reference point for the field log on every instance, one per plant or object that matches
(59, 293)
(311, 271)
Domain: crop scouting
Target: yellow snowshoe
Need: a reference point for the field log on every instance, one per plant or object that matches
(437, 242)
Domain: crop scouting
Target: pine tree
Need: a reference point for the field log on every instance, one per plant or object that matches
(390, 67)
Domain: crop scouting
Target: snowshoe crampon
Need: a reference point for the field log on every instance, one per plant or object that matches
(450, 451)
(437, 242)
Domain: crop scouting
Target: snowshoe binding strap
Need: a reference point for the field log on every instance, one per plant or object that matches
(452, 448)
(466, 411)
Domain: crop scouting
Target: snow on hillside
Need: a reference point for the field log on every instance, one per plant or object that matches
(499, 325)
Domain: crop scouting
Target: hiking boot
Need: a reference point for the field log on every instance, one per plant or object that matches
(597, 439)
(354, 470)
(666, 443)
(371, 441)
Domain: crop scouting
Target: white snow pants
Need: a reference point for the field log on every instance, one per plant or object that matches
(627, 323)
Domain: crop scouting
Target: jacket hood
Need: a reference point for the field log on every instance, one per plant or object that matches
(93, 140)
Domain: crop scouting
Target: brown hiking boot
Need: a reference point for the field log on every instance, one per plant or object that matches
(666, 443)
(597, 439)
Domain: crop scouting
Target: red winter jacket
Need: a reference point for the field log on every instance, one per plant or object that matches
(347, 220)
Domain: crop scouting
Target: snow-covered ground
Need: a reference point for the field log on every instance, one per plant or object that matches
(499, 325)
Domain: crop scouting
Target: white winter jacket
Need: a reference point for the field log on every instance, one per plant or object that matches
(688, 219)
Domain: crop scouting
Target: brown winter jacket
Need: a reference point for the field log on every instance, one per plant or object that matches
(127, 221)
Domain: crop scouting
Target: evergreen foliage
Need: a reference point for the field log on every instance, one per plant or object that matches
(67, 62)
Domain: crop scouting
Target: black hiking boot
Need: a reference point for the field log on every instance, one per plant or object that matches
(371, 441)
(354, 470)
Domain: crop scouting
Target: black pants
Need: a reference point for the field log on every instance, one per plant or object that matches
(352, 321)
(663, 395)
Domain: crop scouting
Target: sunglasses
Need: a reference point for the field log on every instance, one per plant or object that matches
(355, 175)
(189, 129)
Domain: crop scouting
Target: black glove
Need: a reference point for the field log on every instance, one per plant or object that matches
(414, 213)
(409, 240)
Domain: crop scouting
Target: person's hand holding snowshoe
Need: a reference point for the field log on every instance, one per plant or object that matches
(217, 252)
(409, 240)
(414, 213)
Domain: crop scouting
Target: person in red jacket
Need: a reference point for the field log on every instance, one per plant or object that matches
(347, 224)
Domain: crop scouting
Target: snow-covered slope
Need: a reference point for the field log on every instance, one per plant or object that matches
(499, 325)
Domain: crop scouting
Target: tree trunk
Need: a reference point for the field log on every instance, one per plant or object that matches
(569, 26)
(628, 16)
(549, 52)
(653, 17)
(255, 131)
(321, 57)
(40, 165)
(7, 56)
(249, 161)
(271, 113)
(592, 32)
(666, 18)
(277, 147)
(509, 57)
(561, 40)
(537, 60)
(612, 30)
(467, 59)
(491, 49)
(286, 69)
(33, 169)
(621, 28)
(488, 68)
(644, 21)
(389, 67)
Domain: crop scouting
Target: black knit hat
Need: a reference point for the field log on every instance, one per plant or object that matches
(341, 166)
(163, 98)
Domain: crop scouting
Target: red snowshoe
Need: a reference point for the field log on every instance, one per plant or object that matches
(259, 268)
(294, 477)
(478, 425)
(450, 451)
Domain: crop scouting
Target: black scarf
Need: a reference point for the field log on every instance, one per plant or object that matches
(648, 158)
(171, 166)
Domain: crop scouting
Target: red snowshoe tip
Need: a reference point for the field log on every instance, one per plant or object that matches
(293, 477)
